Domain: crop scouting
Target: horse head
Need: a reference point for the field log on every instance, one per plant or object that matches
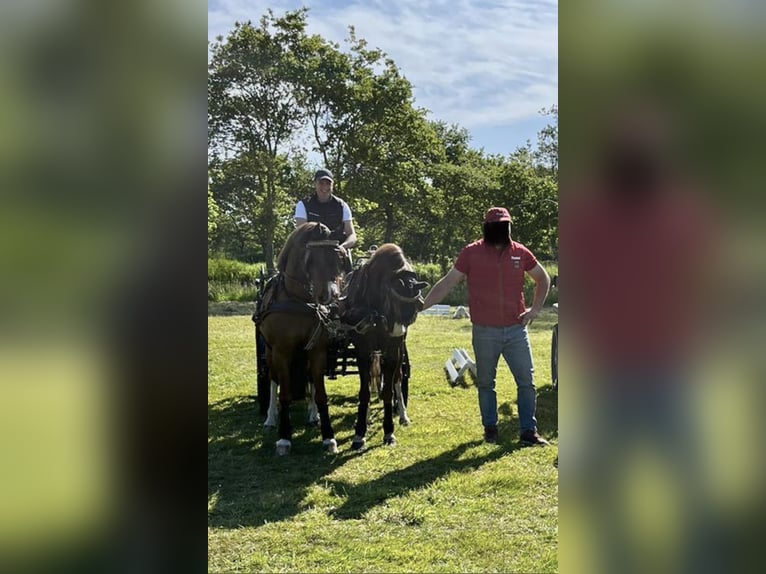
(406, 299)
(311, 263)
(322, 265)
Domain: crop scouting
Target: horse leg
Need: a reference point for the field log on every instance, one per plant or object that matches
(285, 428)
(271, 416)
(404, 420)
(318, 364)
(360, 428)
(376, 373)
(313, 413)
(400, 402)
(388, 403)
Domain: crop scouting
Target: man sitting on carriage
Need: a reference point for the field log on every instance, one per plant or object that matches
(325, 207)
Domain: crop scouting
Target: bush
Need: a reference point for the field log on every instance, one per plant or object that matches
(552, 267)
(218, 291)
(231, 280)
(229, 270)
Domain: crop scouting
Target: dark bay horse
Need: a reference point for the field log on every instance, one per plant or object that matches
(385, 294)
(292, 320)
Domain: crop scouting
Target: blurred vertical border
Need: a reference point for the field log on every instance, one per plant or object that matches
(704, 63)
(102, 259)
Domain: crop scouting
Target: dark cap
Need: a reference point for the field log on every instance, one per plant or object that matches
(323, 174)
(497, 214)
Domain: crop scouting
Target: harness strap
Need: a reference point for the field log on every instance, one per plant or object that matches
(296, 307)
(370, 318)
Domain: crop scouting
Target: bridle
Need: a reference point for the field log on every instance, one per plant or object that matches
(403, 299)
(396, 297)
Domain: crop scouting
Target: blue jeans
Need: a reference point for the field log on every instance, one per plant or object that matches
(513, 344)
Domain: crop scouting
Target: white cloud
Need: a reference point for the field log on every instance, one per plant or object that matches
(475, 63)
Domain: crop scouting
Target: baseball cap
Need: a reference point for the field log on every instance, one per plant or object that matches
(323, 174)
(497, 214)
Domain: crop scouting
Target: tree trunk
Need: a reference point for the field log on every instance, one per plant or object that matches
(269, 215)
(268, 253)
(269, 225)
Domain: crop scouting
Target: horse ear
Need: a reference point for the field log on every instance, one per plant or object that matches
(421, 285)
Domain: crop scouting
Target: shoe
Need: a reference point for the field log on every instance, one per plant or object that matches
(531, 438)
(490, 434)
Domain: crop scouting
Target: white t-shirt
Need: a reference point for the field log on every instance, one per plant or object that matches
(300, 210)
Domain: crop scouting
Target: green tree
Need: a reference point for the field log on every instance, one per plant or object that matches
(253, 113)
(547, 153)
(212, 213)
(363, 123)
(532, 201)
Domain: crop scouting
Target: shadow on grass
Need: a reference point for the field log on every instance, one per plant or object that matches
(363, 497)
(547, 414)
(249, 485)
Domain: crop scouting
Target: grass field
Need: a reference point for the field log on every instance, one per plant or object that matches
(441, 500)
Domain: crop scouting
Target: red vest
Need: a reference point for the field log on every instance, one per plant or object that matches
(495, 282)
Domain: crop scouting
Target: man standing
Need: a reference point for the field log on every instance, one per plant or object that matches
(495, 267)
(325, 207)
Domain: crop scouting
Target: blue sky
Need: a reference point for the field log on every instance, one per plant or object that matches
(489, 66)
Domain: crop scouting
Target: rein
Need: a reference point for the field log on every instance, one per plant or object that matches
(322, 243)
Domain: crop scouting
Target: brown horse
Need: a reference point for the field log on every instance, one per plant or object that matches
(384, 295)
(293, 319)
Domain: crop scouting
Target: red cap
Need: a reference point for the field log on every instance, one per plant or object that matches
(497, 214)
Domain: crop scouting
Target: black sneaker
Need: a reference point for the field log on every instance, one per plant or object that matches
(490, 434)
(531, 438)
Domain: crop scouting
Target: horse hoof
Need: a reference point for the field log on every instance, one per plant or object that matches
(330, 445)
(283, 447)
(357, 443)
(389, 440)
(404, 422)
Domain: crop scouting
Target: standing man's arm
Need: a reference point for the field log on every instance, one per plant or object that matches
(442, 287)
(542, 285)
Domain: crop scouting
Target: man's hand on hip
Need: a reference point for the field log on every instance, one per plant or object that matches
(528, 316)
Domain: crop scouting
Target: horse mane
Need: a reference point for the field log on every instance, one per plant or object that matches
(298, 239)
(387, 261)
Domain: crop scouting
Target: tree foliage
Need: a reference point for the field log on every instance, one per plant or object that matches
(278, 96)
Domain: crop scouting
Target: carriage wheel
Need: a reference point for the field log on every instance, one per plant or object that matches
(555, 357)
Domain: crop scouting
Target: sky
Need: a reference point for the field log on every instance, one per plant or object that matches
(489, 66)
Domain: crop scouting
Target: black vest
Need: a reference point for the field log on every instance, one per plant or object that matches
(330, 213)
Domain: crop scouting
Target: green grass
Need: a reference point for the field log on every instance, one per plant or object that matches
(439, 501)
